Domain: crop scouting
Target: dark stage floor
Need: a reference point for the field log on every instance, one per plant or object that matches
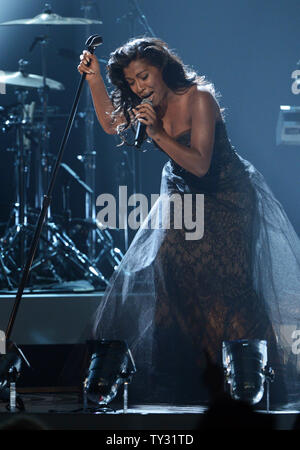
(41, 332)
(64, 411)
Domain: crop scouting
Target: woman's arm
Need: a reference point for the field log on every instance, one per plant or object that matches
(101, 100)
(196, 158)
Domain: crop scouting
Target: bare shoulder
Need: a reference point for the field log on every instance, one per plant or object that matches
(203, 95)
(202, 99)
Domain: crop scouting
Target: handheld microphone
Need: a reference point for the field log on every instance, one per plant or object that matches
(141, 129)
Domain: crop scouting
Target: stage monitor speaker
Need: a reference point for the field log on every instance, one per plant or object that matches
(288, 125)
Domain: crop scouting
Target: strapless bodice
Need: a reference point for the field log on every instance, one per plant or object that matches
(225, 166)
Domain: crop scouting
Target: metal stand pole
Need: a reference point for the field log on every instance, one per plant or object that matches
(89, 157)
(125, 397)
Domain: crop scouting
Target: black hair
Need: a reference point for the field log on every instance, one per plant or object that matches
(177, 76)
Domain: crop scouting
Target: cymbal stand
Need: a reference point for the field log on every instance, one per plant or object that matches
(89, 156)
(57, 250)
(43, 165)
(91, 44)
(66, 200)
(21, 166)
(15, 239)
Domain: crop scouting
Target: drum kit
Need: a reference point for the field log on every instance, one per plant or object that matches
(64, 261)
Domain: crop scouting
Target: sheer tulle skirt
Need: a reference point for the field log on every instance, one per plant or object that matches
(171, 299)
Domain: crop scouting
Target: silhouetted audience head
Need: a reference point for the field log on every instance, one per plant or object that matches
(23, 423)
(227, 413)
(297, 423)
(213, 377)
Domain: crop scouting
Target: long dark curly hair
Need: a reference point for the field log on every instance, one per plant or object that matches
(177, 76)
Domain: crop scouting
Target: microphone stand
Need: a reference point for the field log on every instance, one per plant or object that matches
(89, 156)
(91, 44)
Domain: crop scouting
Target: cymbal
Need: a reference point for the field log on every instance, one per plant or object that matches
(47, 18)
(28, 80)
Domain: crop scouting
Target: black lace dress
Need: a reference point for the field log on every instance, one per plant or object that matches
(172, 298)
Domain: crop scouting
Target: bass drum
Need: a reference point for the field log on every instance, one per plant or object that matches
(106, 256)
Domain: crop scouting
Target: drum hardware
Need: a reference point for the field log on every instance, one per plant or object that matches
(108, 257)
(76, 177)
(91, 44)
(59, 258)
(62, 262)
(71, 176)
(20, 120)
(51, 265)
(89, 159)
(39, 126)
(113, 254)
(5, 271)
(49, 18)
(72, 56)
(23, 79)
(43, 165)
(64, 249)
(53, 113)
(22, 172)
(28, 80)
